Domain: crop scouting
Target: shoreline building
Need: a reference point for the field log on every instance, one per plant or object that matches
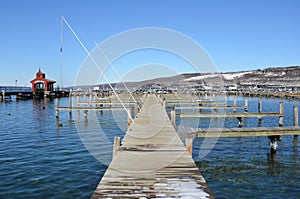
(41, 85)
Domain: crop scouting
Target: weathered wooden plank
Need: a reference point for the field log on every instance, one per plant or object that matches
(227, 115)
(196, 102)
(240, 132)
(209, 107)
(88, 108)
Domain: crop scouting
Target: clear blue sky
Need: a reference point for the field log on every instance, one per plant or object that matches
(237, 34)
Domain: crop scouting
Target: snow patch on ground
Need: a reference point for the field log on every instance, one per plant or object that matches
(272, 74)
(201, 77)
(226, 76)
(231, 76)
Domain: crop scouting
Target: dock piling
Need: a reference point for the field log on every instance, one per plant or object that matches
(173, 117)
(234, 104)
(85, 113)
(116, 145)
(246, 106)
(259, 107)
(56, 109)
(136, 109)
(240, 122)
(189, 145)
(296, 122)
(281, 114)
(70, 103)
(129, 119)
(3, 95)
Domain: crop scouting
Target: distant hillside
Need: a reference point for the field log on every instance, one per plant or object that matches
(268, 77)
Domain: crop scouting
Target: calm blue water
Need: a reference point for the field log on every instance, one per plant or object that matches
(40, 160)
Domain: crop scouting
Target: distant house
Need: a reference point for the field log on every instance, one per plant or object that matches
(41, 84)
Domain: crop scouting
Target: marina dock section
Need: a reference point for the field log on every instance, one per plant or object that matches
(152, 161)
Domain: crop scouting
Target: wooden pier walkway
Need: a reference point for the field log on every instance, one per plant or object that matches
(152, 161)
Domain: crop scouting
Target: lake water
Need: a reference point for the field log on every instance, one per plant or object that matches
(39, 159)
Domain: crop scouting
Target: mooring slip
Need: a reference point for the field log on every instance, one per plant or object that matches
(152, 161)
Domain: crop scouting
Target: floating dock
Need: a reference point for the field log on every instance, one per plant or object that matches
(152, 161)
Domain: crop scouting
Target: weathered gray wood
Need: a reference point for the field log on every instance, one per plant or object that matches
(208, 107)
(281, 114)
(117, 141)
(89, 108)
(240, 132)
(129, 118)
(152, 161)
(296, 123)
(173, 117)
(56, 108)
(203, 115)
(246, 106)
(189, 145)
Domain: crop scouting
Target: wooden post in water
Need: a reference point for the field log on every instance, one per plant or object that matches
(56, 109)
(240, 121)
(70, 102)
(3, 95)
(296, 122)
(85, 113)
(91, 99)
(84, 99)
(116, 145)
(78, 99)
(136, 109)
(173, 117)
(259, 110)
(129, 120)
(164, 104)
(234, 104)
(246, 106)
(281, 114)
(189, 145)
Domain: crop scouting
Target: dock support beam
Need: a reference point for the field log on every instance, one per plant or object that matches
(234, 104)
(164, 104)
(246, 106)
(189, 145)
(136, 109)
(259, 109)
(129, 119)
(3, 96)
(240, 121)
(116, 145)
(173, 117)
(70, 103)
(56, 109)
(281, 114)
(85, 113)
(296, 122)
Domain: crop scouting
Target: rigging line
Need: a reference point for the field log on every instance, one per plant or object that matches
(60, 55)
(118, 74)
(94, 61)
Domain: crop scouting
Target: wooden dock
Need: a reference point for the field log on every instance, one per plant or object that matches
(88, 108)
(209, 107)
(228, 115)
(239, 132)
(152, 161)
